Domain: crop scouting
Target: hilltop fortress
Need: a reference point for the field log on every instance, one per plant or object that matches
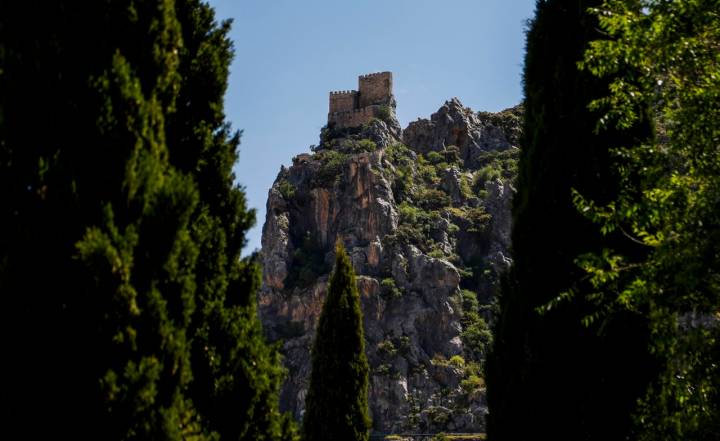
(352, 108)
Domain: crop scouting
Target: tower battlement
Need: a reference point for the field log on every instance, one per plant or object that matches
(375, 74)
(351, 108)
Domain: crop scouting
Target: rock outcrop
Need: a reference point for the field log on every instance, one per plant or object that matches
(473, 133)
(427, 228)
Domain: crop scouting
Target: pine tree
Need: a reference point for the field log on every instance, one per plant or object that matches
(129, 313)
(549, 375)
(336, 406)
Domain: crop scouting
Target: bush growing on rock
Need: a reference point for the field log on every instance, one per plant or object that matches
(434, 157)
(287, 190)
(331, 164)
(433, 199)
(389, 289)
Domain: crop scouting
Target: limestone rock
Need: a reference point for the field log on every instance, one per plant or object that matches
(451, 184)
(457, 125)
(383, 133)
(498, 204)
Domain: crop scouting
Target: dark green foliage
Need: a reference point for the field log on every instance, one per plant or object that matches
(476, 335)
(487, 174)
(331, 166)
(386, 349)
(235, 397)
(451, 154)
(358, 146)
(346, 139)
(549, 376)
(351, 144)
(433, 199)
(399, 154)
(427, 172)
(508, 120)
(307, 265)
(434, 158)
(479, 219)
(384, 114)
(389, 290)
(287, 190)
(289, 329)
(330, 134)
(415, 227)
(120, 253)
(665, 53)
(440, 437)
(336, 407)
(495, 165)
(469, 302)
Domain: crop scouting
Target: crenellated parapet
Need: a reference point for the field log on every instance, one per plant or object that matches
(352, 108)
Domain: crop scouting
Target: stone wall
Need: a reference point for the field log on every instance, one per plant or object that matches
(375, 88)
(343, 101)
(352, 118)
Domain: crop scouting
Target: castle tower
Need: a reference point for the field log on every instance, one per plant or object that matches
(353, 108)
(343, 101)
(375, 88)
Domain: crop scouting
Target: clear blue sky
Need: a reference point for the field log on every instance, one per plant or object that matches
(290, 53)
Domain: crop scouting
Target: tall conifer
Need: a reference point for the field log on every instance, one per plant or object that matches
(129, 313)
(336, 406)
(236, 375)
(549, 375)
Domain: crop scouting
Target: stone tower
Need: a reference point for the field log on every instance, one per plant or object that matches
(352, 108)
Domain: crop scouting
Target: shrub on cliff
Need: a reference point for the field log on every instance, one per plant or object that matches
(120, 252)
(331, 166)
(384, 113)
(336, 406)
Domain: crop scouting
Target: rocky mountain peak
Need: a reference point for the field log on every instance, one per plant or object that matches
(472, 132)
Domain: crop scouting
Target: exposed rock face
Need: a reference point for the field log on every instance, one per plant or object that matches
(418, 233)
(454, 124)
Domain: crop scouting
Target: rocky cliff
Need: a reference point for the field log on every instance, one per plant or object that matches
(425, 216)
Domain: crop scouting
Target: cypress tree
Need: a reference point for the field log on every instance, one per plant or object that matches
(129, 313)
(336, 406)
(97, 258)
(236, 396)
(549, 375)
